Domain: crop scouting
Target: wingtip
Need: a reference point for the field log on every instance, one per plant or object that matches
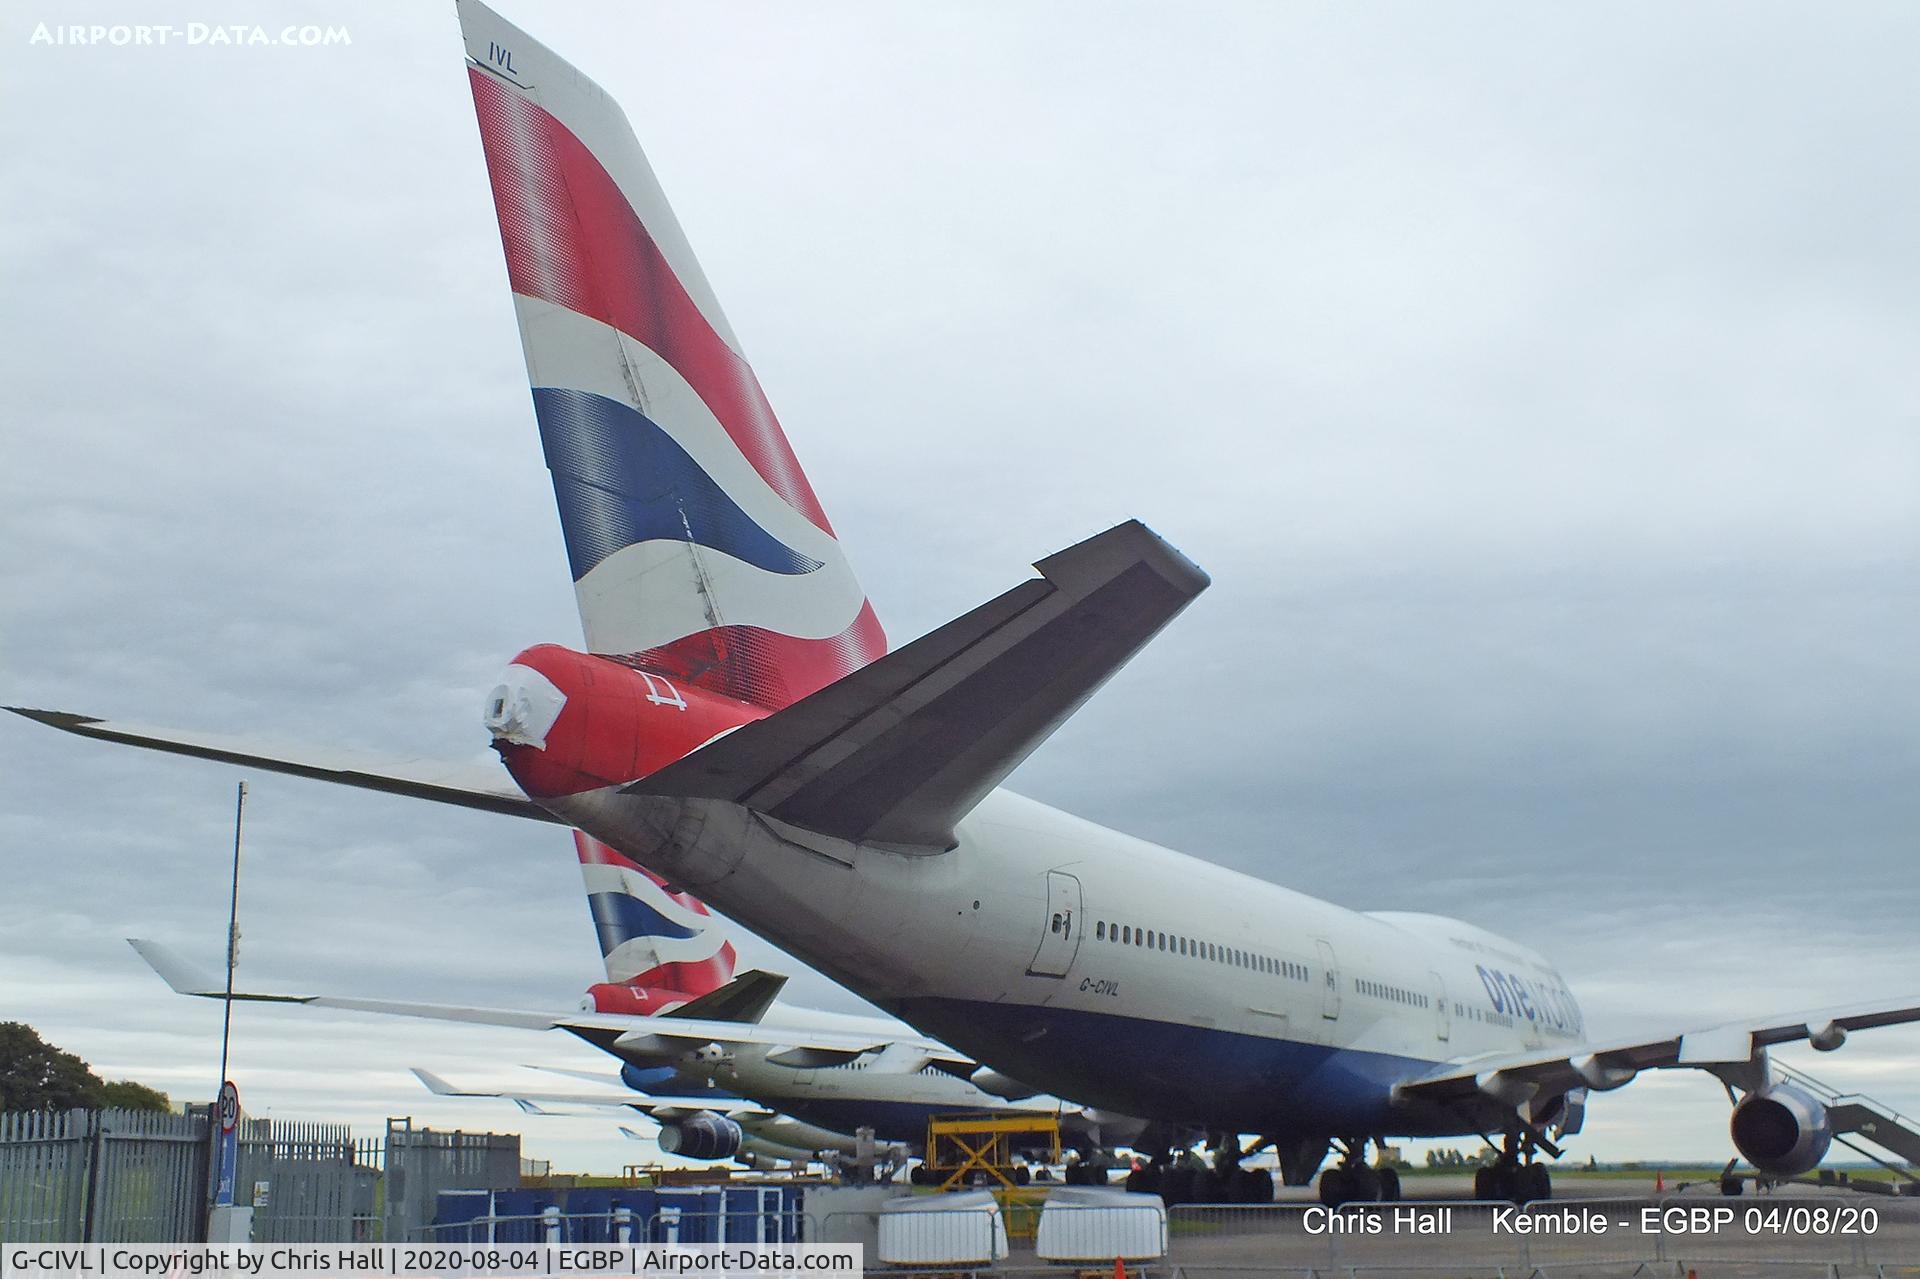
(67, 721)
(434, 1083)
(177, 972)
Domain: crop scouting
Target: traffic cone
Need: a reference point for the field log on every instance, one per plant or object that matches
(1119, 1268)
(1659, 1183)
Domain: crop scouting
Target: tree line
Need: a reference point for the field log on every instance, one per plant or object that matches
(34, 1075)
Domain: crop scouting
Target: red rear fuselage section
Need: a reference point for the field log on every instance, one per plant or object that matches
(619, 724)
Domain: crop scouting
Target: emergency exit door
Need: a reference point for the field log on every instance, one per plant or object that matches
(1059, 928)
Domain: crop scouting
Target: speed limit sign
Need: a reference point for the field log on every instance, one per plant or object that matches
(229, 1106)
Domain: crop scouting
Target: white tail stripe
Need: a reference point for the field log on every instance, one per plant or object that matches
(652, 593)
(644, 954)
(602, 878)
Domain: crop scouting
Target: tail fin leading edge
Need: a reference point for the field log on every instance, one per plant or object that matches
(697, 545)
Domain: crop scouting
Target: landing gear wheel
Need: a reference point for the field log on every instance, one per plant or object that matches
(1363, 1184)
(1334, 1191)
(1486, 1184)
(1732, 1187)
(1389, 1186)
(1207, 1188)
(1250, 1186)
(1022, 1175)
(920, 1176)
(1144, 1181)
(1176, 1186)
(1536, 1183)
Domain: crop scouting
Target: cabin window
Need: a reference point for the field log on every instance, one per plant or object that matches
(1100, 931)
(1126, 935)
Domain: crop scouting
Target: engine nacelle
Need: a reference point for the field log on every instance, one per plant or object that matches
(649, 1078)
(704, 1135)
(1781, 1130)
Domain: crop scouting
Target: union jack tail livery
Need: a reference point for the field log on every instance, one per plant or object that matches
(698, 548)
(662, 948)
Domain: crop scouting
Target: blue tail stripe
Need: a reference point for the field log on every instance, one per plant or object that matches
(619, 918)
(621, 479)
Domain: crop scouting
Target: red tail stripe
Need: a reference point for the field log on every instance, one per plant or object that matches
(762, 667)
(572, 239)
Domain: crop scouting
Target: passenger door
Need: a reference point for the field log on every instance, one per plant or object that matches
(1443, 1027)
(1329, 980)
(1060, 928)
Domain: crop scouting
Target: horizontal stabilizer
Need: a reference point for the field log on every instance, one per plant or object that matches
(745, 998)
(471, 785)
(899, 751)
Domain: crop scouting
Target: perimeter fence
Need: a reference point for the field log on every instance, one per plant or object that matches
(121, 1176)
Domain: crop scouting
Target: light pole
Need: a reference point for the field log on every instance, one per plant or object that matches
(233, 930)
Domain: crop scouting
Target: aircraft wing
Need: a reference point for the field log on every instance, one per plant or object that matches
(1517, 1076)
(476, 784)
(653, 1105)
(900, 750)
(660, 1035)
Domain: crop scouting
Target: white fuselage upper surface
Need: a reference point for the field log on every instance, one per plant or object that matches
(1224, 1000)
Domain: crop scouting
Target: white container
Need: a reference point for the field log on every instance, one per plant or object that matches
(962, 1229)
(1100, 1223)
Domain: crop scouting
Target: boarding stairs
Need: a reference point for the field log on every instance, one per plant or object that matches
(1858, 1119)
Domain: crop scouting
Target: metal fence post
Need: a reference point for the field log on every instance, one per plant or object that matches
(94, 1162)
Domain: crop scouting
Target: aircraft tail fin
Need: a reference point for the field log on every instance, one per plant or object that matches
(698, 547)
(899, 751)
(663, 949)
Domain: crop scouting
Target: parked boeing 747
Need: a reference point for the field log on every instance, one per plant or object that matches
(737, 724)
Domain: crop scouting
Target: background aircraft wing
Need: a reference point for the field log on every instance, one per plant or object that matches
(900, 750)
(1612, 1064)
(639, 1033)
(477, 784)
(653, 1105)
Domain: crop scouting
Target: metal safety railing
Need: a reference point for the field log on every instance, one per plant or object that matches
(624, 1225)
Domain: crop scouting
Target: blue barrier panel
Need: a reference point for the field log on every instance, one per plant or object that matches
(588, 1215)
(754, 1215)
(453, 1210)
(687, 1214)
(520, 1204)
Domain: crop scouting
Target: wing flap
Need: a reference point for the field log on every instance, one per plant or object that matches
(899, 751)
(646, 1103)
(686, 1033)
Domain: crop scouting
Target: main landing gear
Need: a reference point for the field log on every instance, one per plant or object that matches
(1517, 1175)
(1184, 1178)
(1352, 1181)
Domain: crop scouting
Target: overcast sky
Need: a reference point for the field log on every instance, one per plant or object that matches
(1537, 383)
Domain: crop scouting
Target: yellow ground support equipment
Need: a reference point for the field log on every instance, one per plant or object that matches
(961, 1145)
